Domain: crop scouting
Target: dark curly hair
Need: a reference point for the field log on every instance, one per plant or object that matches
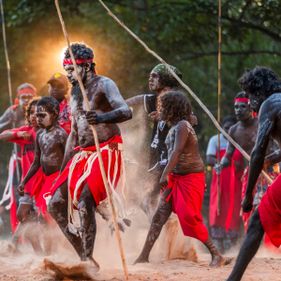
(260, 81)
(241, 95)
(33, 102)
(50, 104)
(166, 79)
(80, 51)
(174, 106)
(229, 119)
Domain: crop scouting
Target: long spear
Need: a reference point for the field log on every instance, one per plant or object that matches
(87, 105)
(194, 96)
(8, 75)
(219, 107)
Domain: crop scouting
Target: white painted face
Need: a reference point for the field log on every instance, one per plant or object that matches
(153, 81)
(71, 74)
(32, 116)
(44, 118)
(24, 99)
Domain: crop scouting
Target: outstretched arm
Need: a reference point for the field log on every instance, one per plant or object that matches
(266, 124)
(14, 134)
(272, 158)
(6, 120)
(136, 100)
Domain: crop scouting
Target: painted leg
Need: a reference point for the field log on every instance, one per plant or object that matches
(26, 215)
(161, 216)
(86, 208)
(151, 198)
(58, 209)
(249, 247)
(217, 258)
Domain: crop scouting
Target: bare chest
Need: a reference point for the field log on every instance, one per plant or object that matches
(49, 141)
(246, 137)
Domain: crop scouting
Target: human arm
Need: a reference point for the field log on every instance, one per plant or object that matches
(266, 124)
(33, 168)
(120, 111)
(136, 100)
(14, 135)
(7, 119)
(181, 136)
(227, 157)
(272, 158)
(212, 151)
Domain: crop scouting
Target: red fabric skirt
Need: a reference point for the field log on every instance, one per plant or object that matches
(223, 216)
(94, 180)
(42, 184)
(187, 198)
(270, 212)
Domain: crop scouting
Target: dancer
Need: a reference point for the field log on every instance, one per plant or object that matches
(84, 190)
(225, 198)
(25, 137)
(263, 87)
(14, 117)
(182, 180)
(49, 152)
(244, 132)
(160, 82)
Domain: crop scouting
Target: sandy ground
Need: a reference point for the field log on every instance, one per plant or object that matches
(28, 266)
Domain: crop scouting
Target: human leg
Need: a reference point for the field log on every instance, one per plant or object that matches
(57, 207)
(86, 209)
(159, 219)
(249, 247)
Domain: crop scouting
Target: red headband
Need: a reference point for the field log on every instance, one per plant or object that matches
(78, 61)
(26, 91)
(245, 100)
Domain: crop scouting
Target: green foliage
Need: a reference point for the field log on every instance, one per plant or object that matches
(184, 32)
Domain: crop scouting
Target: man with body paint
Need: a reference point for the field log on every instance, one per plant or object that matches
(225, 192)
(183, 179)
(80, 185)
(244, 132)
(58, 89)
(14, 117)
(160, 82)
(263, 87)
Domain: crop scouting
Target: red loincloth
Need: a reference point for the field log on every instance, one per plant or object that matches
(234, 215)
(13, 213)
(94, 180)
(270, 212)
(26, 152)
(42, 184)
(230, 199)
(64, 119)
(187, 199)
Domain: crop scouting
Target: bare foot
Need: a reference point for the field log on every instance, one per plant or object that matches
(218, 261)
(141, 259)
